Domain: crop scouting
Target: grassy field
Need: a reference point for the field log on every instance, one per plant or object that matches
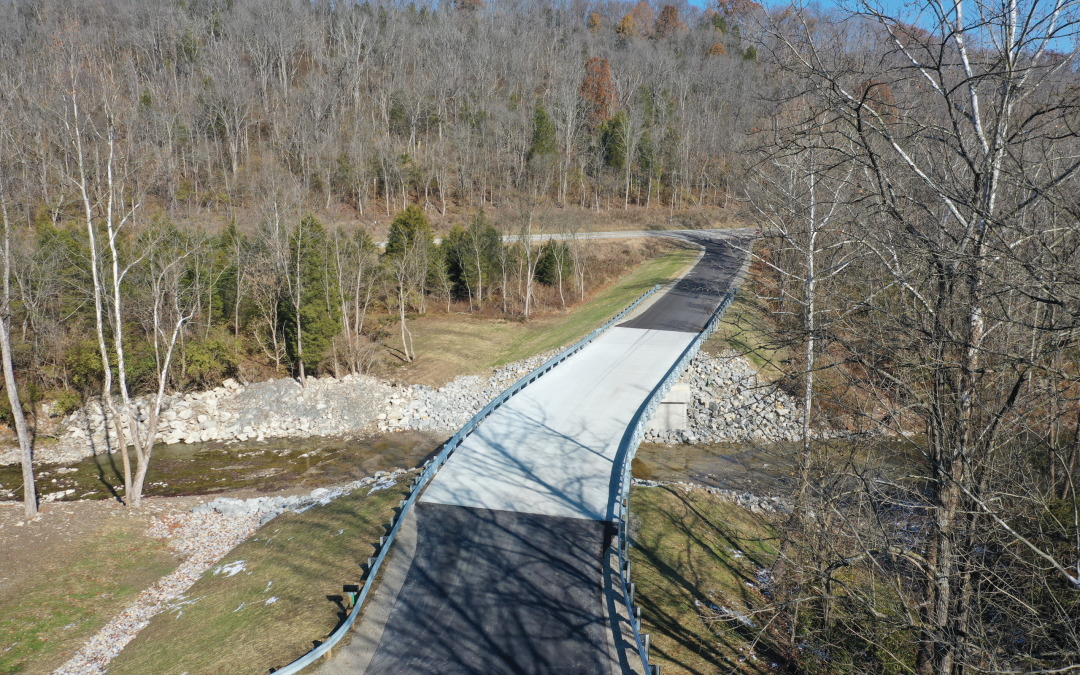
(697, 562)
(272, 599)
(448, 346)
(747, 328)
(45, 622)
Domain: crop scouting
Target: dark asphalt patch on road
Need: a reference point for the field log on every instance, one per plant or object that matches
(688, 306)
(494, 592)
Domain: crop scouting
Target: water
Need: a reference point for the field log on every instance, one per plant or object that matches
(766, 468)
(206, 468)
(769, 468)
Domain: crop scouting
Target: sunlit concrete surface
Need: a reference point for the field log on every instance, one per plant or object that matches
(551, 449)
(506, 570)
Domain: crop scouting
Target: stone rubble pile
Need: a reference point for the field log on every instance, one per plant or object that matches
(237, 413)
(230, 413)
(747, 500)
(729, 403)
(268, 508)
(448, 408)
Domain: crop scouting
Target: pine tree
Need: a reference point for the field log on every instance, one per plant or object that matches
(311, 323)
(409, 228)
(613, 140)
(544, 141)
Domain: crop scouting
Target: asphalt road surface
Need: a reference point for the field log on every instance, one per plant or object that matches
(690, 304)
(498, 592)
(505, 573)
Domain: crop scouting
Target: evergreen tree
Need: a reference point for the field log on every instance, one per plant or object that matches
(409, 228)
(544, 141)
(554, 264)
(319, 317)
(456, 256)
(613, 140)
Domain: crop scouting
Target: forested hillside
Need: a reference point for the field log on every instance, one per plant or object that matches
(200, 137)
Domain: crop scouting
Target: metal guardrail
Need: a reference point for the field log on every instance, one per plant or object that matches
(628, 449)
(430, 469)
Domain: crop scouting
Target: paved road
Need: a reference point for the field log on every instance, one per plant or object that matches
(690, 304)
(506, 573)
(479, 596)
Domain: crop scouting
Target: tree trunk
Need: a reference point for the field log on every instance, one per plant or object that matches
(27, 455)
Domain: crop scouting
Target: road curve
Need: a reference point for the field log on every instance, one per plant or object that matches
(501, 572)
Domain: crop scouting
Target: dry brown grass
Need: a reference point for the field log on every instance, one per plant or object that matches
(553, 218)
(48, 616)
(464, 344)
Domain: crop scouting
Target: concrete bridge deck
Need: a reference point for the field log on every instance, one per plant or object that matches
(499, 568)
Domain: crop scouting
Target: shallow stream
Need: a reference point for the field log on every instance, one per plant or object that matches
(206, 468)
(765, 468)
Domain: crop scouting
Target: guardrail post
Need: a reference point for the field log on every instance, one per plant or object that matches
(352, 590)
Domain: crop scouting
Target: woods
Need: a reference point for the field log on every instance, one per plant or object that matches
(922, 196)
(191, 188)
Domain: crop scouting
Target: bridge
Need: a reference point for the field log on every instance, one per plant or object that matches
(503, 565)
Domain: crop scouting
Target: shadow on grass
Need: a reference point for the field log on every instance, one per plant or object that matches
(679, 568)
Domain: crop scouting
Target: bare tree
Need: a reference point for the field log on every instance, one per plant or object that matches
(173, 301)
(25, 444)
(960, 132)
(406, 272)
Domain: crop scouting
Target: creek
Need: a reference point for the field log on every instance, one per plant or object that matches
(208, 468)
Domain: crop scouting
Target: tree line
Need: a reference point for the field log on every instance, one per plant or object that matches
(163, 167)
(920, 189)
(375, 106)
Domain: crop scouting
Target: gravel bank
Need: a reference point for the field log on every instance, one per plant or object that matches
(231, 413)
(729, 403)
(448, 408)
(236, 413)
(748, 500)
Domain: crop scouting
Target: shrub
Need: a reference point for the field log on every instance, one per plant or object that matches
(67, 401)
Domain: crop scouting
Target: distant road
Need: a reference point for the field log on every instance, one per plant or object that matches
(627, 234)
(510, 534)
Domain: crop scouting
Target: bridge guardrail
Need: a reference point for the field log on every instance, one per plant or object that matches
(430, 469)
(629, 446)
